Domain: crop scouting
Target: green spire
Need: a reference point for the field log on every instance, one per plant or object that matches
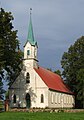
(30, 37)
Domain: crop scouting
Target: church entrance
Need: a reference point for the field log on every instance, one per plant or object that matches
(28, 100)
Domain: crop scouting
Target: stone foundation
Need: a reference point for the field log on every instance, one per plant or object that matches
(46, 110)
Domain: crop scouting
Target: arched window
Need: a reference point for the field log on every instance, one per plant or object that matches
(56, 97)
(28, 52)
(52, 97)
(14, 98)
(27, 78)
(59, 98)
(28, 100)
(27, 96)
(42, 98)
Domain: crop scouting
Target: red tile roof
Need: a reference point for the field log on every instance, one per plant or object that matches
(52, 80)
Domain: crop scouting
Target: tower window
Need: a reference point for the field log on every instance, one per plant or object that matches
(35, 53)
(27, 78)
(28, 52)
(42, 98)
(14, 98)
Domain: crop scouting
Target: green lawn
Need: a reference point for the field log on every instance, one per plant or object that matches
(41, 116)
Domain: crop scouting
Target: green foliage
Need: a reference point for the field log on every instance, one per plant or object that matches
(49, 69)
(80, 86)
(72, 61)
(58, 72)
(2, 91)
(10, 57)
(7, 95)
(1, 105)
(10, 54)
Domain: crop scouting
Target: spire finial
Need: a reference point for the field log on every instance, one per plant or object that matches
(30, 11)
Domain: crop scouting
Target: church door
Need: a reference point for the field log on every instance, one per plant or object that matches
(28, 100)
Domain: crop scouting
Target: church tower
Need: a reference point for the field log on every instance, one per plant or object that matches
(30, 48)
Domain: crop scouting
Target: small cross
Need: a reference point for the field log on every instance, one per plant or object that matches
(30, 10)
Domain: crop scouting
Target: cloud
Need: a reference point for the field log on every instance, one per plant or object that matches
(57, 24)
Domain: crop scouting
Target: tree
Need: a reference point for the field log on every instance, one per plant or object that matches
(10, 54)
(80, 81)
(7, 94)
(2, 91)
(58, 72)
(72, 61)
(49, 69)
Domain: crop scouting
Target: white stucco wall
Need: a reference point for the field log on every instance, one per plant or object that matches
(60, 100)
(36, 87)
(41, 88)
(33, 51)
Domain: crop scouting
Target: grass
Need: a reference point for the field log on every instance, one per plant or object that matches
(41, 116)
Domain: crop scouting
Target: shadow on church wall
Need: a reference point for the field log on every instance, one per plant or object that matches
(21, 88)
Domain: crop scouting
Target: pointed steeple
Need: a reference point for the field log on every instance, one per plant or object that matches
(30, 37)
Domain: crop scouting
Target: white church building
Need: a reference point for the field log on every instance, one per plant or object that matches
(37, 87)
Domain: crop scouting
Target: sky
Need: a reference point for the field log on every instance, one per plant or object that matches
(57, 24)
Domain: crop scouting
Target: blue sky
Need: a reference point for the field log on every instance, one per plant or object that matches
(57, 24)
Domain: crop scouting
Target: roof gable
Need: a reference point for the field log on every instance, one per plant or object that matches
(52, 80)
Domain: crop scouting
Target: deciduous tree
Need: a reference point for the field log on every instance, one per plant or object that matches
(72, 62)
(10, 54)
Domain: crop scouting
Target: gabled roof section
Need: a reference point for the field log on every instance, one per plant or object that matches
(52, 80)
(30, 37)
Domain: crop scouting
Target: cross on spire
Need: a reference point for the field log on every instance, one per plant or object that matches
(30, 11)
(30, 37)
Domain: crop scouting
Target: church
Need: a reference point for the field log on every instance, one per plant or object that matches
(37, 87)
